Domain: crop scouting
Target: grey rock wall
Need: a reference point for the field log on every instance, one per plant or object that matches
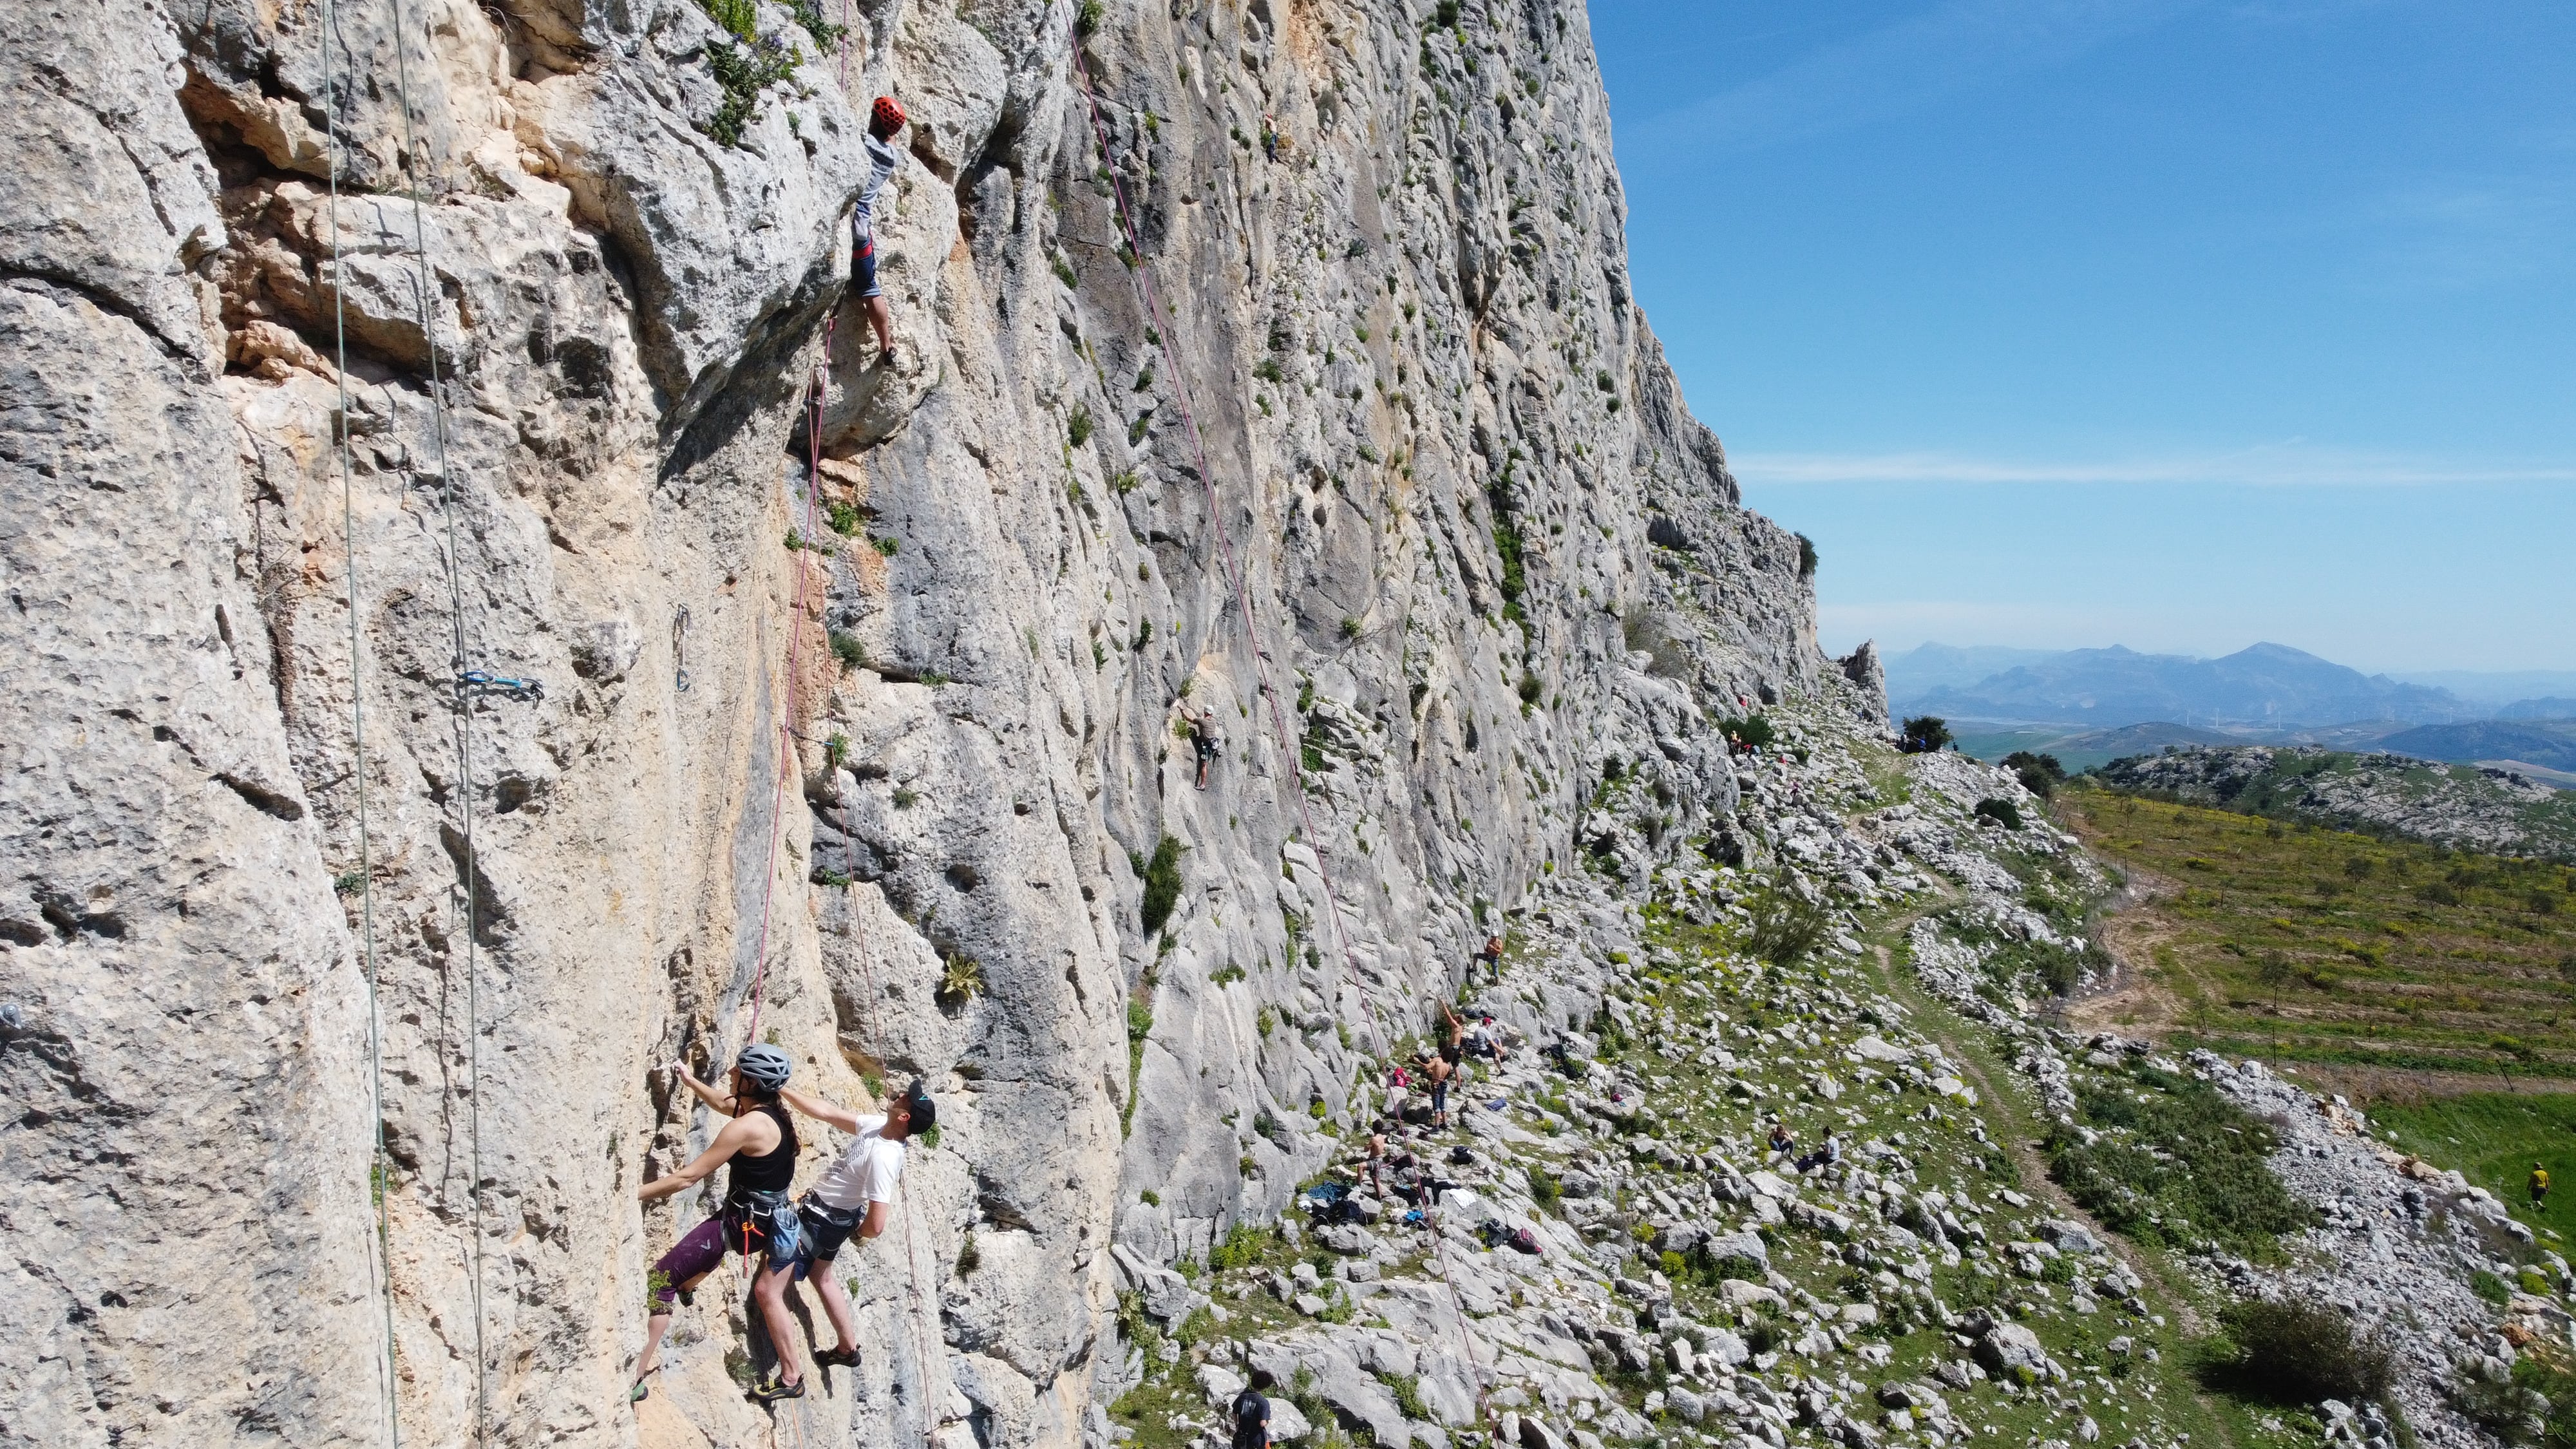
(897, 815)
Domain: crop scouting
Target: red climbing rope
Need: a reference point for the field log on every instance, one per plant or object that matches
(1288, 743)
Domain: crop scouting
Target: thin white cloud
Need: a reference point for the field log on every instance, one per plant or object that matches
(2279, 466)
(1900, 68)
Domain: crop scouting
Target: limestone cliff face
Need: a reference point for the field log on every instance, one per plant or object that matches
(885, 797)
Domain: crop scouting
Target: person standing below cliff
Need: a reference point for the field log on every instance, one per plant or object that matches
(855, 1196)
(884, 119)
(1252, 1413)
(1492, 956)
(760, 1142)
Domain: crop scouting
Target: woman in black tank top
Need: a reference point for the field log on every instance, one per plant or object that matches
(771, 1171)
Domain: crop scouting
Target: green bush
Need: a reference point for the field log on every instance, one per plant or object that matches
(1751, 732)
(1162, 886)
(2003, 812)
(1924, 734)
(1806, 557)
(2301, 1353)
(2039, 774)
(2184, 1166)
(1787, 928)
(1079, 427)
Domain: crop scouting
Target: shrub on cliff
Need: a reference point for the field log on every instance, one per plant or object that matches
(1162, 886)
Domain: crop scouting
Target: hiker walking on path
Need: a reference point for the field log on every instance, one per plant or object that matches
(760, 1143)
(2539, 1187)
(854, 1197)
(884, 119)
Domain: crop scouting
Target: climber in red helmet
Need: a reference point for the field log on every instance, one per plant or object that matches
(884, 119)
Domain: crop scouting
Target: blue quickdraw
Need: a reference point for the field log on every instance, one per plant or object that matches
(481, 681)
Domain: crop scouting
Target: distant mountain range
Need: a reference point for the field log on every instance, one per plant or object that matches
(2265, 687)
(2090, 705)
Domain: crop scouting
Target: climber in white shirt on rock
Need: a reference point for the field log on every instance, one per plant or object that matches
(855, 1195)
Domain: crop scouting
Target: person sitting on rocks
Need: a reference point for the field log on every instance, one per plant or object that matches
(1782, 1140)
(884, 119)
(1485, 1039)
(1206, 738)
(760, 1142)
(854, 1196)
(1827, 1153)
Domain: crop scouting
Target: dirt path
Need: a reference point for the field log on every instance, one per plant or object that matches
(2132, 1001)
(2022, 1147)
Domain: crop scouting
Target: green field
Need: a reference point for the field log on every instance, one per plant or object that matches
(2295, 943)
(2493, 1139)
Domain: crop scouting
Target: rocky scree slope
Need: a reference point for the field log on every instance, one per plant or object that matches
(871, 754)
(1621, 1256)
(2482, 808)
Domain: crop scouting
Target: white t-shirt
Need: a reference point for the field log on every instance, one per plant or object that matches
(865, 1172)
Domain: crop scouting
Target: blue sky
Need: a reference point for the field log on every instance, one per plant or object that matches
(2177, 325)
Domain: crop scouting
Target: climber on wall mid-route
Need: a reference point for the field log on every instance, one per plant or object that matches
(884, 119)
(854, 1196)
(757, 1217)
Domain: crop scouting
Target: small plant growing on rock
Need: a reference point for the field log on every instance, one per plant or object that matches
(845, 520)
(1079, 427)
(961, 980)
(2001, 811)
(848, 649)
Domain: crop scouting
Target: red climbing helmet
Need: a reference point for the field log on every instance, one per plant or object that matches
(887, 112)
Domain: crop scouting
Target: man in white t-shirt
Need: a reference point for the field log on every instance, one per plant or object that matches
(855, 1195)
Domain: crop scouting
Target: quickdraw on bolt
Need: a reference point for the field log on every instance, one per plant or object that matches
(481, 682)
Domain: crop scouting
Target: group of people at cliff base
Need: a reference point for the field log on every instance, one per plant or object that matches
(791, 1240)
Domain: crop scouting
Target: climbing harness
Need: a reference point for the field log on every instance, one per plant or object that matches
(381, 1251)
(1142, 274)
(470, 681)
(481, 682)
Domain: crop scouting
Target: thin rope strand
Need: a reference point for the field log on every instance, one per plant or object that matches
(423, 284)
(381, 1252)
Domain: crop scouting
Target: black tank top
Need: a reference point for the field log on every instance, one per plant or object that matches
(773, 1170)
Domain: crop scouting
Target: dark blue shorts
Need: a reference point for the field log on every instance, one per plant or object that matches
(821, 1230)
(863, 268)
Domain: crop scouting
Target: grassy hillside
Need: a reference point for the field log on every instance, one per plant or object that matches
(2296, 943)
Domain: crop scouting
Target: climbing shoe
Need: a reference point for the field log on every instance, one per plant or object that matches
(838, 1358)
(776, 1389)
(638, 1393)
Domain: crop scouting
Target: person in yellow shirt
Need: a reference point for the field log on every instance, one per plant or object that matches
(2539, 1188)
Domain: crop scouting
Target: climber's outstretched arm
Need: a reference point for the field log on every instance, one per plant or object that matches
(731, 1140)
(820, 1110)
